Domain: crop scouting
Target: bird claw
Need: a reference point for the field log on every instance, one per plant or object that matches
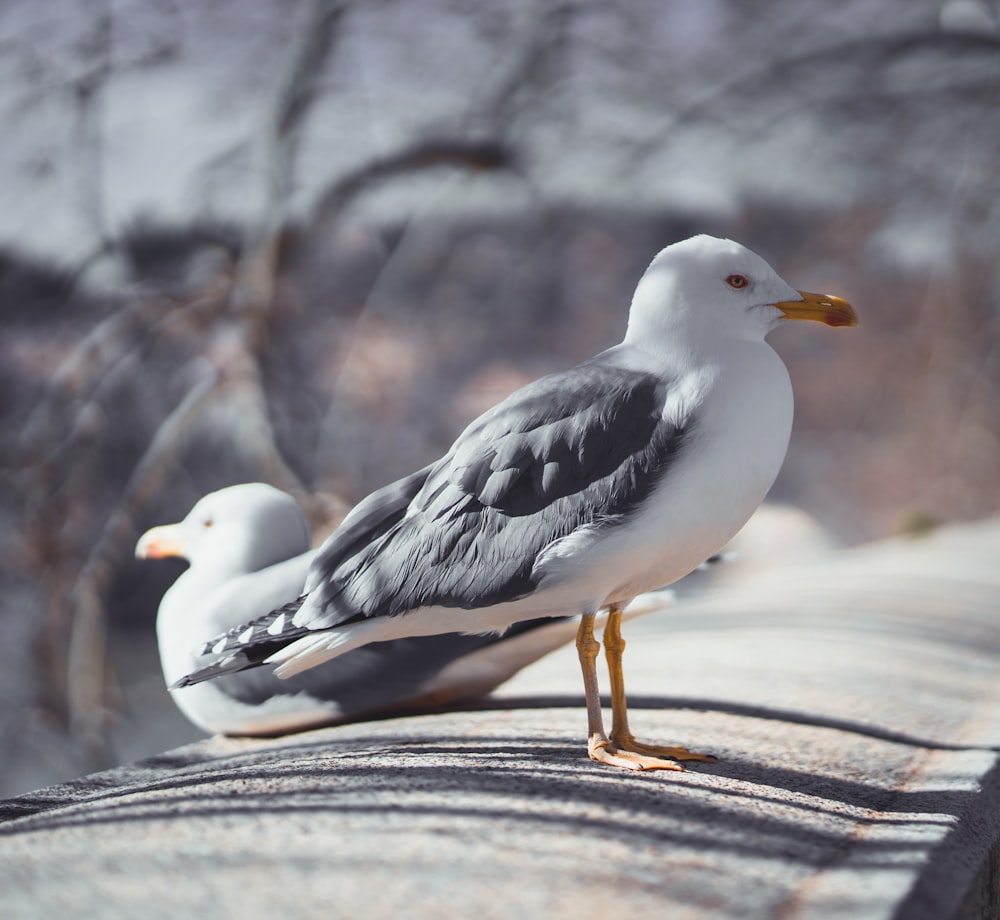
(634, 755)
(660, 750)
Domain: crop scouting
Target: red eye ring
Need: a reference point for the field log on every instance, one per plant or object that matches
(738, 282)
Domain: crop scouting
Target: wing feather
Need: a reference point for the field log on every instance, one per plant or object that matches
(571, 450)
(573, 453)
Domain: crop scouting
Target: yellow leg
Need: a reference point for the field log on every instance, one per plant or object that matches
(614, 646)
(587, 648)
(621, 750)
(598, 746)
(622, 741)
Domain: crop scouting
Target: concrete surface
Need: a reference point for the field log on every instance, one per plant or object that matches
(852, 703)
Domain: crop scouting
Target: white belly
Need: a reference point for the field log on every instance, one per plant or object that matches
(721, 478)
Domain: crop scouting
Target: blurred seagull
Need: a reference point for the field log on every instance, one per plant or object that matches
(248, 546)
(575, 494)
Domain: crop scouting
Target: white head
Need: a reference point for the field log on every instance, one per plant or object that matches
(707, 288)
(240, 529)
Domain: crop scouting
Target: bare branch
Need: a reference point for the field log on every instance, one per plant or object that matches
(246, 410)
(92, 358)
(273, 149)
(814, 68)
(478, 140)
(88, 89)
(89, 358)
(431, 153)
(295, 90)
(88, 640)
(540, 34)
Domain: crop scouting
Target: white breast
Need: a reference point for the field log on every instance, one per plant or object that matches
(740, 434)
(741, 414)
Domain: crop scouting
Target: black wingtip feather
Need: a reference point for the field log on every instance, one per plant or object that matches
(230, 640)
(228, 665)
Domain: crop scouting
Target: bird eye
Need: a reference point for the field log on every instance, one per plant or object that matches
(208, 522)
(738, 282)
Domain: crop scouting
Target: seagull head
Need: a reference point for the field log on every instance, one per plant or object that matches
(709, 288)
(239, 529)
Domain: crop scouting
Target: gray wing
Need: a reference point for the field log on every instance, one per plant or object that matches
(581, 447)
(577, 448)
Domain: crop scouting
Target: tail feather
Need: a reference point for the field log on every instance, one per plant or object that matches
(309, 652)
(320, 646)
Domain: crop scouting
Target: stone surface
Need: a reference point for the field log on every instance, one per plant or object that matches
(851, 701)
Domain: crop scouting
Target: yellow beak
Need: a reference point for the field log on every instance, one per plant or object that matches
(823, 308)
(160, 542)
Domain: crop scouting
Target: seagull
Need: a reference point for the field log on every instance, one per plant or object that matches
(248, 548)
(574, 495)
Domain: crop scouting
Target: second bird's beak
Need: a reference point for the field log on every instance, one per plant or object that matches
(160, 542)
(823, 308)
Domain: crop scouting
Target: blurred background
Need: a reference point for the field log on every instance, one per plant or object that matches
(306, 242)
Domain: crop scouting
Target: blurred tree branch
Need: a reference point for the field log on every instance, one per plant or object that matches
(273, 152)
(229, 330)
(480, 139)
(53, 453)
(88, 90)
(235, 342)
(820, 74)
(428, 153)
(86, 655)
